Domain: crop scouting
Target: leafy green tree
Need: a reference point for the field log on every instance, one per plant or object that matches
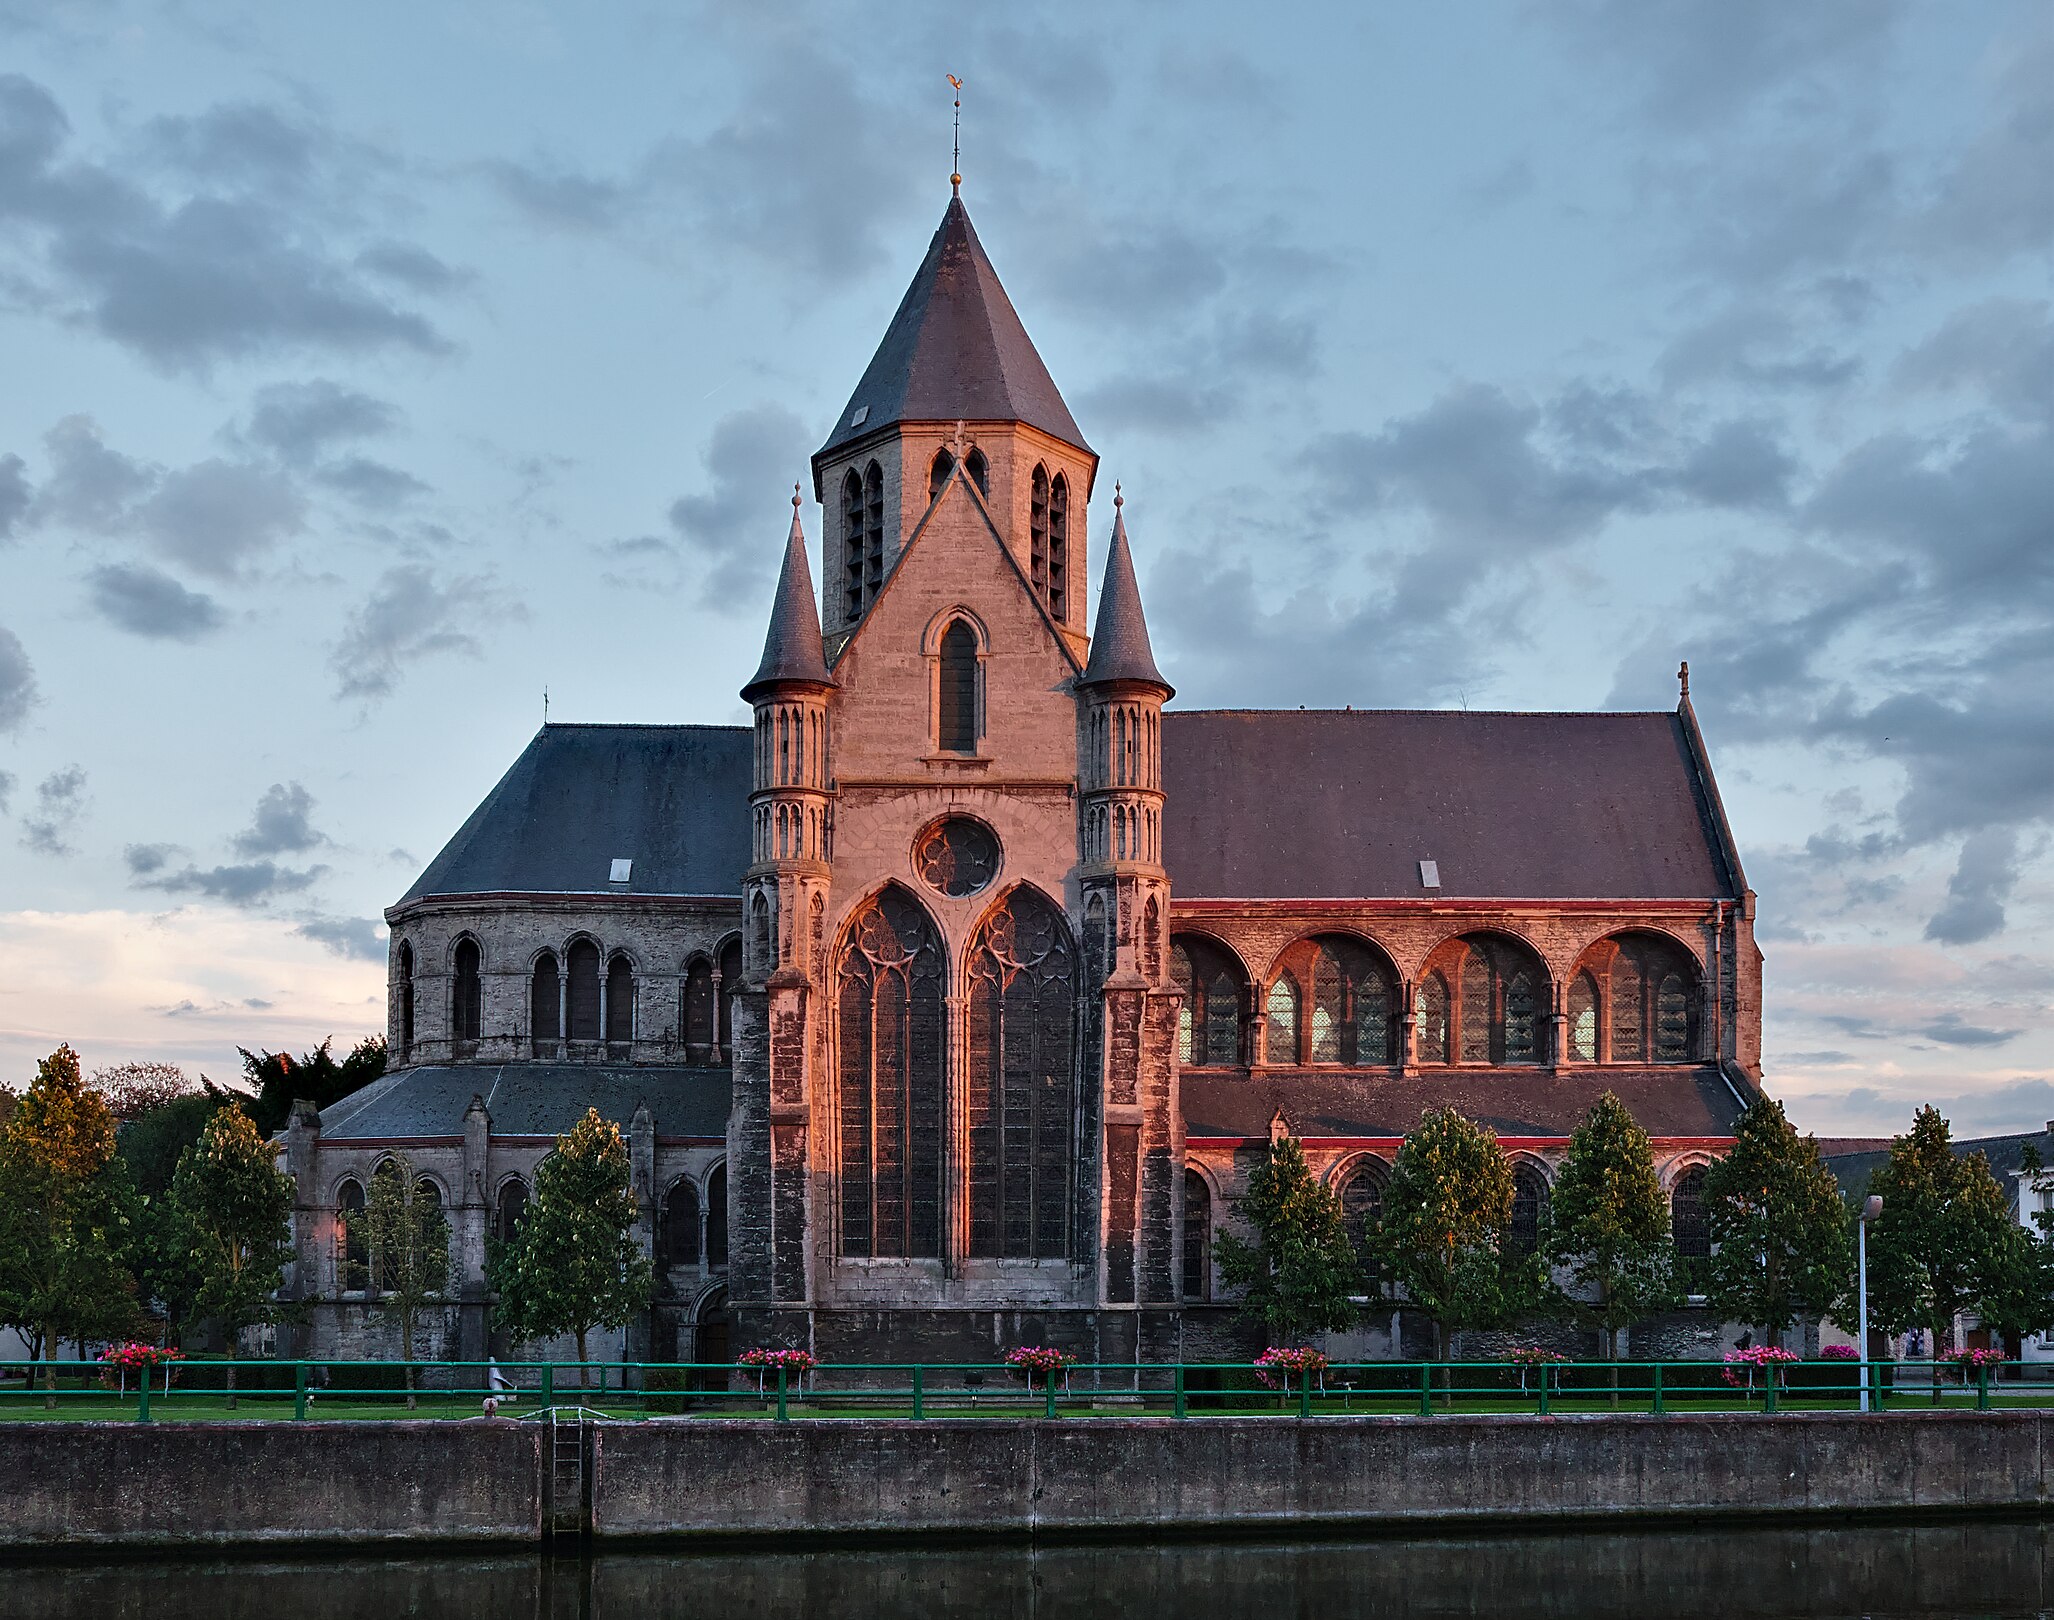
(1442, 1235)
(1300, 1270)
(161, 1252)
(1782, 1248)
(574, 1265)
(8, 1100)
(64, 1215)
(1942, 1244)
(278, 1078)
(1611, 1223)
(406, 1241)
(235, 1205)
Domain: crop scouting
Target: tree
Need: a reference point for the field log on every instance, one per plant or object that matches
(406, 1240)
(135, 1089)
(573, 1265)
(160, 1250)
(1300, 1271)
(280, 1079)
(1781, 1247)
(1442, 1235)
(1941, 1245)
(236, 1208)
(64, 1207)
(1611, 1223)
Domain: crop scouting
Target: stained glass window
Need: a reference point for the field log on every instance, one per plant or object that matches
(957, 856)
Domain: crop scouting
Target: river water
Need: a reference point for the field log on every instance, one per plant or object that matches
(1959, 1569)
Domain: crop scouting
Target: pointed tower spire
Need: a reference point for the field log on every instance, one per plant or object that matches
(792, 650)
(1119, 648)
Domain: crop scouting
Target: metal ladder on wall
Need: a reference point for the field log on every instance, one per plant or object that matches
(565, 1512)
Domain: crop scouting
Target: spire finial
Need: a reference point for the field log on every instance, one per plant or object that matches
(795, 492)
(1683, 678)
(956, 152)
(1118, 498)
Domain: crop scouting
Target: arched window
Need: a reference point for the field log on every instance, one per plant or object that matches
(1529, 1210)
(1352, 1011)
(892, 1025)
(1281, 1031)
(509, 1209)
(724, 996)
(1023, 1011)
(1059, 547)
(852, 545)
(1647, 985)
(1433, 1019)
(1498, 987)
(583, 991)
(1209, 1026)
(353, 1267)
(716, 1217)
(1037, 531)
(979, 470)
(938, 474)
(697, 1016)
(956, 711)
(681, 1225)
(1583, 1018)
(620, 1003)
(760, 943)
(467, 999)
(1362, 1207)
(1197, 1236)
(873, 532)
(1687, 1222)
(406, 1000)
(545, 1006)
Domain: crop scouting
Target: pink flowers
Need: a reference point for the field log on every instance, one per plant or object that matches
(1040, 1359)
(1839, 1352)
(767, 1361)
(136, 1356)
(1974, 1360)
(1532, 1355)
(1303, 1359)
(1759, 1357)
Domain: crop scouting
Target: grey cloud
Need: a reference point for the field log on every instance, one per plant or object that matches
(1758, 346)
(18, 692)
(558, 200)
(301, 422)
(1983, 878)
(14, 496)
(1994, 200)
(90, 486)
(1739, 464)
(412, 267)
(369, 483)
(1203, 382)
(249, 884)
(61, 804)
(230, 264)
(1951, 1029)
(217, 515)
(358, 938)
(281, 823)
(7, 783)
(732, 530)
(409, 616)
(147, 860)
(147, 602)
(2000, 351)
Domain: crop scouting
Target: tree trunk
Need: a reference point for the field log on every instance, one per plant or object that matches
(1612, 1356)
(49, 1369)
(406, 1334)
(1444, 1342)
(581, 1358)
(231, 1372)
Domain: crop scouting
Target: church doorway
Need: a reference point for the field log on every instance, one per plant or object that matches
(710, 1349)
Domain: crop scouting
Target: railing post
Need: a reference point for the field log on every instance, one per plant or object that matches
(1426, 1389)
(1875, 1386)
(299, 1391)
(1769, 1386)
(919, 1404)
(1180, 1409)
(1543, 1389)
(143, 1397)
(1659, 1408)
(1982, 1389)
(548, 1384)
(783, 1414)
(1049, 1407)
(1305, 1392)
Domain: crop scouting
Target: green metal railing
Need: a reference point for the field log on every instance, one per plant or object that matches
(266, 1389)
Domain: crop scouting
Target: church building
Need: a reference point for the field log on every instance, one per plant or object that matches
(948, 1006)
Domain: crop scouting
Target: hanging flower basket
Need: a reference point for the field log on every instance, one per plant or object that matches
(1742, 1365)
(1041, 1361)
(1276, 1364)
(796, 1364)
(1972, 1362)
(138, 1360)
(1529, 1357)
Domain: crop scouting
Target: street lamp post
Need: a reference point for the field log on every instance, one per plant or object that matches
(1869, 1212)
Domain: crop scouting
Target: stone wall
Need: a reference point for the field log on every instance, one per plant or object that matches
(103, 1484)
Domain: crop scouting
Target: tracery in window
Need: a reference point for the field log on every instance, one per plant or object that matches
(1353, 1009)
(1647, 989)
(1530, 1199)
(1209, 1023)
(892, 1038)
(1022, 1010)
(1687, 1223)
(1583, 1018)
(1280, 1021)
(958, 856)
(1497, 989)
(1433, 1019)
(1362, 1206)
(956, 712)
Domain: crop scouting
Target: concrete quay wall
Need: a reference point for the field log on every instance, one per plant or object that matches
(75, 1485)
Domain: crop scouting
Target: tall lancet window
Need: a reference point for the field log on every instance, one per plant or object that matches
(956, 693)
(892, 1028)
(873, 532)
(852, 544)
(1059, 547)
(1037, 530)
(1023, 1000)
(938, 474)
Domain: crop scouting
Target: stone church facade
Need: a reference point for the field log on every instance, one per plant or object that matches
(948, 1006)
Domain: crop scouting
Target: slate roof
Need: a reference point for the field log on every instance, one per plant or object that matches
(955, 351)
(1119, 645)
(1682, 1101)
(792, 648)
(1314, 804)
(529, 1099)
(673, 799)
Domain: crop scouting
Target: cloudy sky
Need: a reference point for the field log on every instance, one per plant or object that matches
(365, 370)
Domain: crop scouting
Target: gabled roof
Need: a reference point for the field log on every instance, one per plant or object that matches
(1119, 645)
(529, 1099)
(955, 351)
(672, 799)
(791, 647)
(1298, 804)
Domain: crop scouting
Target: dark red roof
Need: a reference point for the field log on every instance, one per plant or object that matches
(955, 351)
(1686, 1101)
(1315, 804)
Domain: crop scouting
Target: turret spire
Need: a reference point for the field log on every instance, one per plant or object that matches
(792, 649)
(1119, 648)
